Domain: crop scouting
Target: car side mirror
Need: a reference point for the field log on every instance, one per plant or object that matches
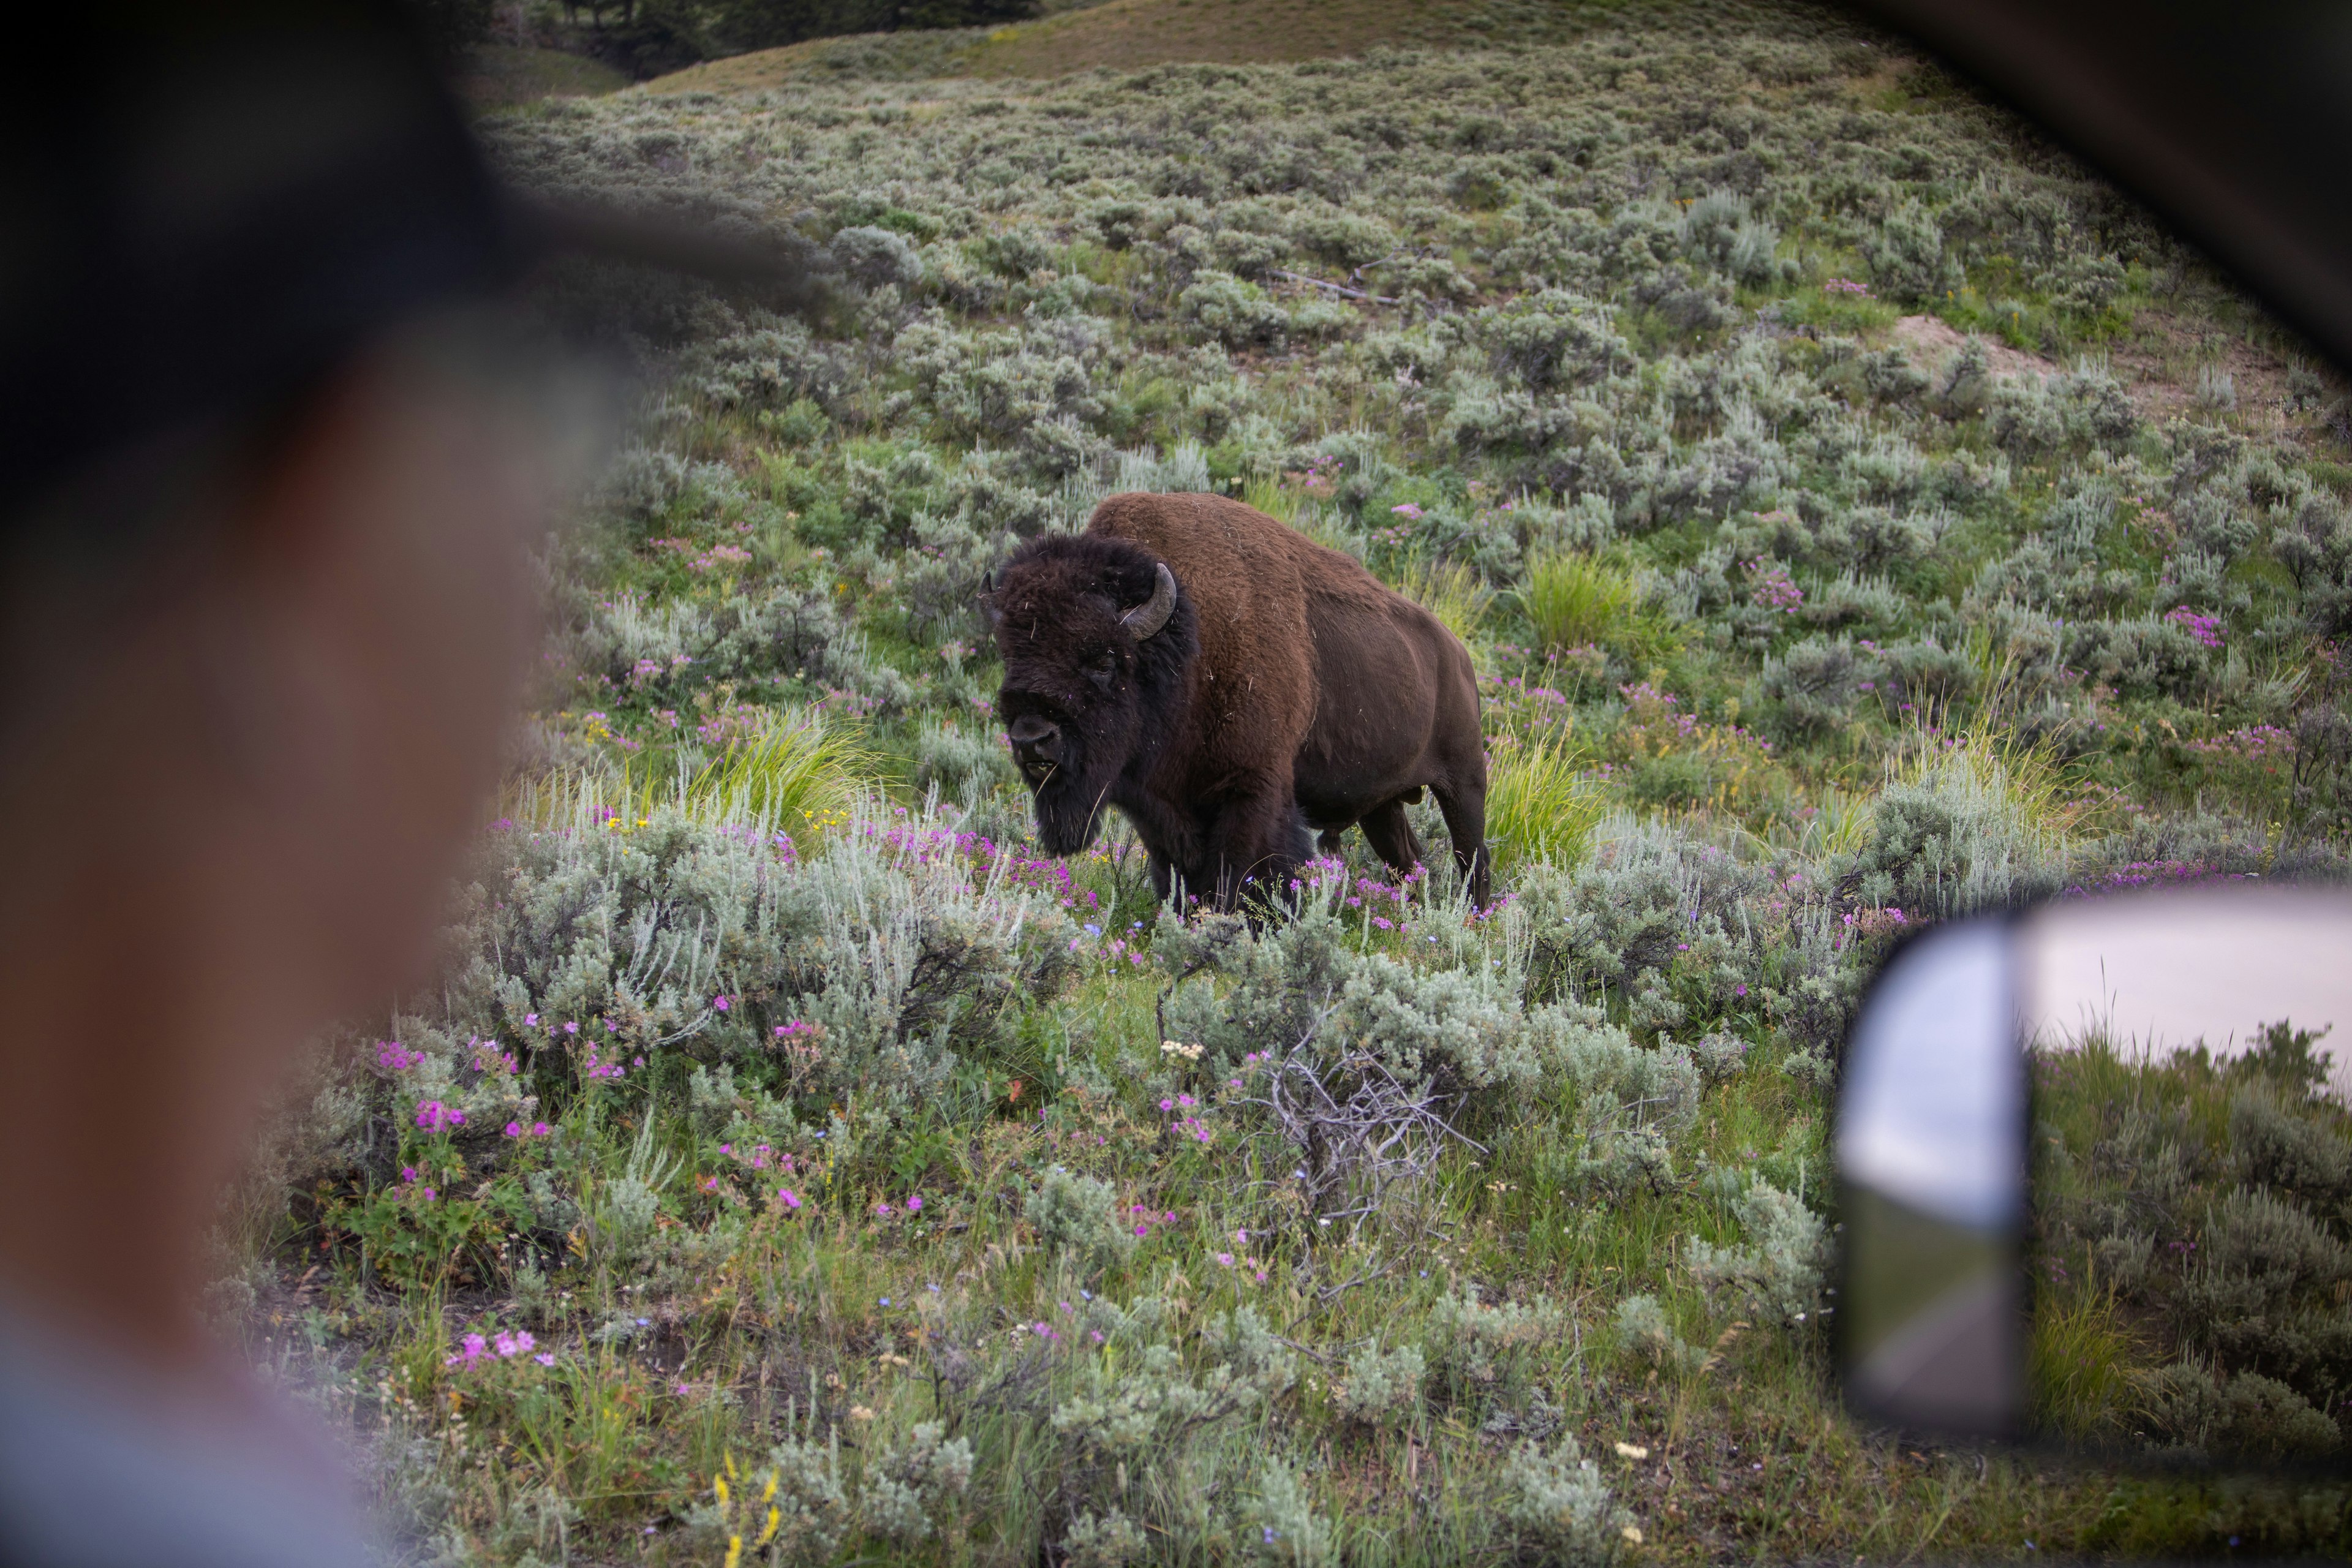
(2095, 1179)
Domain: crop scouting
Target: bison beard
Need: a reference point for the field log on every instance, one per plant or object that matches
(1264, 688)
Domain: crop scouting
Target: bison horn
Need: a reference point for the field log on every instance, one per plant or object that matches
(1152, 614)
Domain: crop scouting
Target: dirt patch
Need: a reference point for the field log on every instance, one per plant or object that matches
(1932, 341)
(2159, 365)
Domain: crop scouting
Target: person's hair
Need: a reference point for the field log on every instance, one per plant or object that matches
(205, 214)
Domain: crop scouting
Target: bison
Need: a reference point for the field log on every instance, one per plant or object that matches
(1231, 685)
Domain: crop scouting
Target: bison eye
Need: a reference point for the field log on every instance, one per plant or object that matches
(1101, 669)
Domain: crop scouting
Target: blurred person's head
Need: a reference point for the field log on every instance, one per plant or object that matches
(265, 500)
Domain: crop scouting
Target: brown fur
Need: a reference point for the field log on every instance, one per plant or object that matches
(1318, 697)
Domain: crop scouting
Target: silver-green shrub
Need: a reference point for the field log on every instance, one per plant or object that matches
(914, 1486)
(1644, 1333)
(1778, 1273)
(590, 959)
(813, 1508)
(1107, 1540)
(1554, 1500)
(1384, 1388)
(1282, 1526)
(2244, 1415)
(1077, 1215)
(1233, 311)
(1907, 256)
(1481, 1356)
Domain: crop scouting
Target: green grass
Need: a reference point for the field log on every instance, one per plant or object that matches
(1573, 599)
(1452, 593)
(2079, 1363)
(1838, 313)
(798, 772)
(1539, 804)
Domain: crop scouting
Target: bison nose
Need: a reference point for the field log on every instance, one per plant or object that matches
(1034, 742)
(1031, 734)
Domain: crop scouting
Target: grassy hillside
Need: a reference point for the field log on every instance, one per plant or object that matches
(1859, 515)
(1125, 35)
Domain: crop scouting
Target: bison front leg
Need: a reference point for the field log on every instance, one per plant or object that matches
(1255, 845)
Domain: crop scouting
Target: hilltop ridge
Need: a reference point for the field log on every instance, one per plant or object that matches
(1125, 35)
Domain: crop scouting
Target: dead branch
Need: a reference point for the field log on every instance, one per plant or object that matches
(1340, 289)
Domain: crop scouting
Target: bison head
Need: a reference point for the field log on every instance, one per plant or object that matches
(1096, 634)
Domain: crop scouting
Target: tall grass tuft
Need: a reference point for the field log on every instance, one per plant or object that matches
(1269, 495)
(1967, 821)
(799, 771)
(2033, 787)
(1452, 593)
(1573, 598)
(1839, 823)
(2079, 1367)
(1540, 806)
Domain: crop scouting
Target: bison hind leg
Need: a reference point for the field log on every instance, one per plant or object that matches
(1465, 824)
(1392, 836)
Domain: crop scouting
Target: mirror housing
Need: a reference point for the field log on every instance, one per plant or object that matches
(1931, 1164)
(2006, 1078)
